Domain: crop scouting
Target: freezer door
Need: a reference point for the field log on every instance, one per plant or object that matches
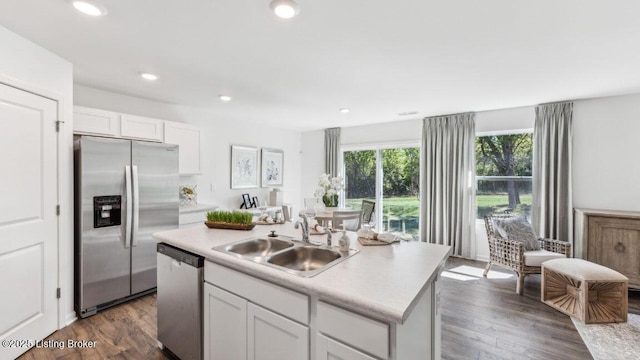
(155, 168)
(102, 260)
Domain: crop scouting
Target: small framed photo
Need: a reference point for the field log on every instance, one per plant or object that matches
(244, 167)
(272, 167)
(255, 202)
(246, 201)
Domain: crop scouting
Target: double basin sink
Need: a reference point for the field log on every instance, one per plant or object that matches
(284, 253)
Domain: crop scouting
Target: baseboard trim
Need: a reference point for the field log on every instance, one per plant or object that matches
(70, 318)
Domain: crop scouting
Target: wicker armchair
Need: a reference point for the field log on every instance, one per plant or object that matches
(512, 254)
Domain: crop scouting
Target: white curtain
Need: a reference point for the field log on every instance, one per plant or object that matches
(331, 151)
(447, 193)
(552, 204)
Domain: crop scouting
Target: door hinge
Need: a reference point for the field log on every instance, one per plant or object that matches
(58, 210)
(58, 293)
(58, 122)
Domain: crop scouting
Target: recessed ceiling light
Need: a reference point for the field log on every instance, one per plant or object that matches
(407, 113)
(148, 76)
(225, 98)
(285, 9)
(344, 110)
(89, 7)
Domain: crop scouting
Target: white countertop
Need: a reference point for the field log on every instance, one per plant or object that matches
(383, 281)
(197, 207)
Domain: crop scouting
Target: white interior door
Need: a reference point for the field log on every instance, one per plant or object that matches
(28, 220)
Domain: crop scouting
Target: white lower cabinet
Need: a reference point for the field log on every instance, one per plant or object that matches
(225, 325)
(273, 337)
(241, 322)
(247, 318)
(329, 349)
(354, 330)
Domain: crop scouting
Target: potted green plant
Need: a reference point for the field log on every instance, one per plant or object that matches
(236, 220)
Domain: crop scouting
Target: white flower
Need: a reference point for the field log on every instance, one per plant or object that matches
(336, 182)
(328, 185)
(324, 180)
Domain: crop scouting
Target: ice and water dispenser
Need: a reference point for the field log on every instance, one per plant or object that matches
(107, 211)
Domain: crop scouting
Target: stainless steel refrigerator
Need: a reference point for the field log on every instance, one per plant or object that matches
(125, 190)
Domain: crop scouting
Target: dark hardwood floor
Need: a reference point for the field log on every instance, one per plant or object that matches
(484, 318)
(481, 319)
(127, 331)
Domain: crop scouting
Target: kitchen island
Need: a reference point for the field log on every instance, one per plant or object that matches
(381, 303)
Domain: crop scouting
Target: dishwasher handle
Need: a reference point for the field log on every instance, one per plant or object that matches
(180, 255)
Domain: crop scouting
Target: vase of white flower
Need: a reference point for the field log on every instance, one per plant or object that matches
(330, 200)
(328, 189)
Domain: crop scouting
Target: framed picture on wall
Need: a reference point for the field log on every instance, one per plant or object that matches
(272, 167)
(244, 167)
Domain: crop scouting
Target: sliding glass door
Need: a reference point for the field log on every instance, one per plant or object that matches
(390, 176)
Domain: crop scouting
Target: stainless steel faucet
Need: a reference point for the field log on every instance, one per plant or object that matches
(304, 223)
(329, 237)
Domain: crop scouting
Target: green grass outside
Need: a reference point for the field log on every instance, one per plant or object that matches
(499, 203)
(409, 207)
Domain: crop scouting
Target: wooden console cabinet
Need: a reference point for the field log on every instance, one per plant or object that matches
(610, 238)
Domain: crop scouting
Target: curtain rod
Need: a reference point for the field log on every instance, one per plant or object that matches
(557, 102)
(462, 113)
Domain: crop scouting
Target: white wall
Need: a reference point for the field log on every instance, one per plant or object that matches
(28, 66)
(217, 136)
(606, 144)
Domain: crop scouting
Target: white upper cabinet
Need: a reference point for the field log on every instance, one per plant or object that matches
(95, 122)
(140, 127)
(188, 138)
(87, 121)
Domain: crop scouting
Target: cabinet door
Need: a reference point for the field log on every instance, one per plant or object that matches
(328, 349)
(139, 127)
(436, 341)
(615, 243)
(273, 337)
(95, 122)
(225, 325)
(188, 138)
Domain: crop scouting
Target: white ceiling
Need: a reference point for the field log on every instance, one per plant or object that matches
(376, 57)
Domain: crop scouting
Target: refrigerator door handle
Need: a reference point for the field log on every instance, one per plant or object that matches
(127, 227)
(136, 205)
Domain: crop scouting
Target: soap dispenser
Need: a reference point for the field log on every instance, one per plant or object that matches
(344, 241)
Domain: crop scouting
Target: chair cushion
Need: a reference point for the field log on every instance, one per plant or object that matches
(537, 257)
(584, 270)
(519, 229)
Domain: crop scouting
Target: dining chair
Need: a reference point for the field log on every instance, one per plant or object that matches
(350, 219)
(368, 207)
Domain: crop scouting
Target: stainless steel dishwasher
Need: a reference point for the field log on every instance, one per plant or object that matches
(179, 301)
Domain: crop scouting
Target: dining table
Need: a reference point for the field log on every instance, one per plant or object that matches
(325, 215)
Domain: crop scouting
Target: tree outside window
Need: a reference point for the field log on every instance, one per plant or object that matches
(389, 176)
(503, 173)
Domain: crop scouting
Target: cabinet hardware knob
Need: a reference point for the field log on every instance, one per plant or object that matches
(620, 247)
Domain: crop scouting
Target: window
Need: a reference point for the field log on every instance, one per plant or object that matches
(394, 174)
(503, 174)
